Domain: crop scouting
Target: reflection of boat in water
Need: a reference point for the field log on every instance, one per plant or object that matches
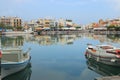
(13, 60)
(104, 53)
(21, 75)
(103, 69)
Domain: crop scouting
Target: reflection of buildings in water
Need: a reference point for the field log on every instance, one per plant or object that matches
(44, 40)
(102, 69)
(66, 39)
(24, 74)
(13, 60)
(101, 38)
(12, 41)
(55, 39)
(114, 37)
(15, 40)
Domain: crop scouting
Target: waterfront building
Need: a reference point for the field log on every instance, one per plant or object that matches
(115, 22)
(69, 23)
(31, 25)
(49, 24)
(44, 24)
(40, 22)
(52, 24)
(108, 22)
(11, 21)
(5, 20)
(61, 23)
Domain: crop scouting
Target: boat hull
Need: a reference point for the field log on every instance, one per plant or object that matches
(109, 60)
(23, 74)
(8, 69)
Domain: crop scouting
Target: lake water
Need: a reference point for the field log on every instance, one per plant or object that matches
(60, 57)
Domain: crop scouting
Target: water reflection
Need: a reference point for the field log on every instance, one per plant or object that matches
(69, 39)
(59, 56)
(102, 69)
(12, 41)
(15, 41)
(56, 39)
(114, 37)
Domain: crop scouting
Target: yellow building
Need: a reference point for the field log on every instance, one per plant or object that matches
(61, 22)
(47, 23)
(11, 21)
(15, 22)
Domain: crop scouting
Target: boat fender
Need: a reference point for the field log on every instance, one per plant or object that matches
(86, 53)
(98, 59)
(118, 56)
(118, 51)
(113, 60)
(89, 55)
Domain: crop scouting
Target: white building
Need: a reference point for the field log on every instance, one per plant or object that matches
(69, 23)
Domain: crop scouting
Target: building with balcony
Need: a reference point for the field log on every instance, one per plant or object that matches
(11, 21)
(61, 22)
(69, 23)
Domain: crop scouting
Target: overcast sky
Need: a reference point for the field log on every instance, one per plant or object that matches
(80, 11)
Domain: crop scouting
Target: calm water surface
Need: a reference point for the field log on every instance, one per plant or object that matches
(60, 57)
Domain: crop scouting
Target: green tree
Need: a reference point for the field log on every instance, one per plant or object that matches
(117, 28)
(19, 28)
(2, 25)
(111, 28)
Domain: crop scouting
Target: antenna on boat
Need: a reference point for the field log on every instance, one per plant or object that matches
(27, 50)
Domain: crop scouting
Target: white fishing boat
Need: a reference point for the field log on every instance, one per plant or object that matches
(13, 60)
(106, 54)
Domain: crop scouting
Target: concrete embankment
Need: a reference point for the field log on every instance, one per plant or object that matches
(15, 32)
(109, 78)
(58, 32)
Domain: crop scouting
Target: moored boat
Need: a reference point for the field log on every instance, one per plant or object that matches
(13, 60)
(106, 54)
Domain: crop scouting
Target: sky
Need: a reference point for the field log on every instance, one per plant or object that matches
(80, 11)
